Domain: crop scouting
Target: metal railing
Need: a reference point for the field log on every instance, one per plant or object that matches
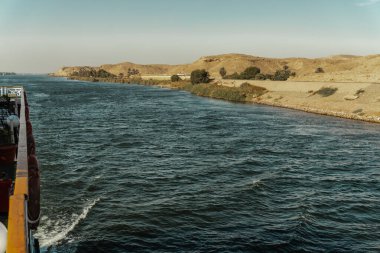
(18, 205)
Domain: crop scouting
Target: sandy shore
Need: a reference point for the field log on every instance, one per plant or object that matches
(359, 101)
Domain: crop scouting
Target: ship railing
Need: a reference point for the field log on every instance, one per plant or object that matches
(17, 217)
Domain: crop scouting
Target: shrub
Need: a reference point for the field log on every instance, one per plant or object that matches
(85, 72)
(223, 72)
(359, 92)
(281, 75)
(245, 85)
(260, 77)
(199, 76)
(228, 93)
(319, 70)
(253, 73)
(233, 76)
(175, 78)
(269, 76)
(242, 94)
(250, 73)
(132, 72)
(219, 92)
(253, 89)
(326, 91)
(103, 74)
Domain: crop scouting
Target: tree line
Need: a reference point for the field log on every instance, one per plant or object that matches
(254, 73)
(93, 73)
(251, 73)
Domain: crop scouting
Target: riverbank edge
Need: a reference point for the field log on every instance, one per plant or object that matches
(253, 100)
(343, 115)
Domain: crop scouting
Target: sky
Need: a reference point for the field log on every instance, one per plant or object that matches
(41, 36)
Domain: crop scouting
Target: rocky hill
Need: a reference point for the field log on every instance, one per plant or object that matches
(340, 68)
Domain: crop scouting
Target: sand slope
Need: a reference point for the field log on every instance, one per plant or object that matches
(351, 100)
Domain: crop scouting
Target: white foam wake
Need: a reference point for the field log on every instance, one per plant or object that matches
(256, 183)
(41, 95)
(46, 241)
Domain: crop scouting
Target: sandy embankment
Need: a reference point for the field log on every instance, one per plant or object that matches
(346, 102)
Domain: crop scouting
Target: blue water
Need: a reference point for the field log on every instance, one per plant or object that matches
(144, 169)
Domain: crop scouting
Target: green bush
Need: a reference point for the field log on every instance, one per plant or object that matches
(85, 72)
(230, 94)
(281, 75)
(250, 73)
(319, 70)
(253, 89)
(245, 85)
(233, 76)
(133, 72)
(254, 73)
(326, 91)
(260, 77)
(269, 76)
(223, 72)
(199, 76)
(219, 92)
(242, 94)
(175, 78)
(359, 92)
(103, 74)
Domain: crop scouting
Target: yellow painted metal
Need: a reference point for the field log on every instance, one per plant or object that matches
(17, 227)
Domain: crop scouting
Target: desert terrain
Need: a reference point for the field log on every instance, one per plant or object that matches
(340, 68)
(349, 100)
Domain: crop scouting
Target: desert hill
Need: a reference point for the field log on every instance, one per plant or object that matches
(339, 68)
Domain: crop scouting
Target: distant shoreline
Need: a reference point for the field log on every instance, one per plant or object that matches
(7, 74)
(302, 96)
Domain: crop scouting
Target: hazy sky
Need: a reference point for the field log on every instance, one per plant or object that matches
(42, 36)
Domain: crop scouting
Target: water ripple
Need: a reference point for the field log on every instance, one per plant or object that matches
(179, 173)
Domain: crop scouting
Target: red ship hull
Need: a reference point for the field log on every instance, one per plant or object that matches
(7, 154)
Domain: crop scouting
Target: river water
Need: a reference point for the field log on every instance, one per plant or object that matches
(144, 169)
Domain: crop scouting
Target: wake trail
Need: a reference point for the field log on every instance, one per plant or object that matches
(46, 242)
